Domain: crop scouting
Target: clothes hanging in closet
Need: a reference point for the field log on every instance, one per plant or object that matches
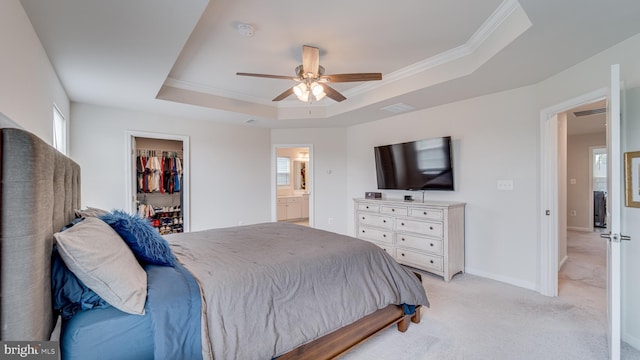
(158, 173)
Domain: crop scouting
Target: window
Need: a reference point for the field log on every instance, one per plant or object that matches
(283, 171)
(59, 131)
(600, 169)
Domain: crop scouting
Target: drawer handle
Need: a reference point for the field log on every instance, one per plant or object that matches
(384, 221)
(367, 207)
(431, 261)
(431, 244)
(430, 227)
(392, 210)
(384, 235)
(425, 213)
(363, 218)
(402, 239)
(402, 224)
(402, 254)
(363, 231)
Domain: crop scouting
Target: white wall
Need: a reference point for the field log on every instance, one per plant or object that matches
(28, 84)
(229, 164)
(493, 139)
(329, 173)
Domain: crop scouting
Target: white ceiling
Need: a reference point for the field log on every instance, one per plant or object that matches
(180, 57)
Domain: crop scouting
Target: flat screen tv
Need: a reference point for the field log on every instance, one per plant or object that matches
(417, 165)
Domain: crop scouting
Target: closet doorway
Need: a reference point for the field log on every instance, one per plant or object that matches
(293, 184)
(157, 171)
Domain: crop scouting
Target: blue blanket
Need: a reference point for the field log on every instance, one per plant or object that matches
(170, 328)
(174, 305)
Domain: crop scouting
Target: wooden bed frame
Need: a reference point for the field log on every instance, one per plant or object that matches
(39, 190)
(337, 343)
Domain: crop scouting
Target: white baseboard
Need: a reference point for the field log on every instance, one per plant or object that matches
(504, 279)
(562, 262)
(574, 228)
(631, 340)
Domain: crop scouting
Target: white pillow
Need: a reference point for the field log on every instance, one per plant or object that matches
(90, 212)
(99, 257)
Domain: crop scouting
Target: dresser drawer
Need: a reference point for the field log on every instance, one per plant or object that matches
(430, 214)
(424, 261)
(420, 243)
(369, 207)
(376, 235)
(375, 220)
(429, 228)
(394, 210)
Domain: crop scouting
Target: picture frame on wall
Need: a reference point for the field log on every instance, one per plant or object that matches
(632, 179)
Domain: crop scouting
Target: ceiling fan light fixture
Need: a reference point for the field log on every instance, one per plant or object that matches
(312, 81)
(302, 92)
(316, 89)
(321, 96)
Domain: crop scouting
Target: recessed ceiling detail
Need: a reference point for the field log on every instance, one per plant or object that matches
(505, 24)
(181, 58)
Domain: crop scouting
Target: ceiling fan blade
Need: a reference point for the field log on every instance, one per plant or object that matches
(352, 77)
(310, 59)
(267, 76)
(285, 94)
(333, 93)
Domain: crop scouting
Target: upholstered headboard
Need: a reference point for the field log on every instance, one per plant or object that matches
(39, 190)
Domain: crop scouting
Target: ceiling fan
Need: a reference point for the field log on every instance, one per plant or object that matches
(313, 81)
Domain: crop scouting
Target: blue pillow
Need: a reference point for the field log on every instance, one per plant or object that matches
(70, 295)
(143, 239)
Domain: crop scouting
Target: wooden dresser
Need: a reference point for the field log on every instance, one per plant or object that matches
(426, 235)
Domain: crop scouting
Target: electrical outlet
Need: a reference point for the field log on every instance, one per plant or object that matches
(505, 185)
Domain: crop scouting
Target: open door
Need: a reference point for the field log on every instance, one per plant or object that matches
(614, 225)
(549, 204)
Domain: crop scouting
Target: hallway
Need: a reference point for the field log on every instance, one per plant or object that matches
(582, 278)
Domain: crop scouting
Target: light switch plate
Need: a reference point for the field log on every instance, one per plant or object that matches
(505, 185)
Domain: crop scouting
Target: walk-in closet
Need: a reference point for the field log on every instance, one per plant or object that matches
(159, 182)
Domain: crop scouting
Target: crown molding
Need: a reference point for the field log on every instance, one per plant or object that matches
(484, 32)
(288, 108)
(197, 87)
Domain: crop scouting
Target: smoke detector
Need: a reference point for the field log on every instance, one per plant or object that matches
(245, 29)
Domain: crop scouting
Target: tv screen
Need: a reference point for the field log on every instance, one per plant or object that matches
(417, 165)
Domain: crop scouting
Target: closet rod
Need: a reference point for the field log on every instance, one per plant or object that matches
(157, 152)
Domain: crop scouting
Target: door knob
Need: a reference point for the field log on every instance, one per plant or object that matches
(615, 237)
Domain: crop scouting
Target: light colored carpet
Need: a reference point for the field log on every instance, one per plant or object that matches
(476, 318)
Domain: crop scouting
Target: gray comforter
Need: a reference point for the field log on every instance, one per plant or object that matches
(269, 288)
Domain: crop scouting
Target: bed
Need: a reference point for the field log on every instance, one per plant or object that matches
(259, 291)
